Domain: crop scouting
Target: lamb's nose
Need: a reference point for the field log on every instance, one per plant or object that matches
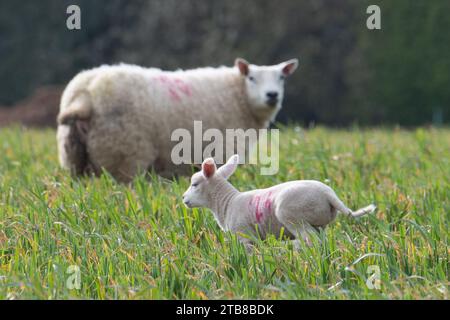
(272, 94)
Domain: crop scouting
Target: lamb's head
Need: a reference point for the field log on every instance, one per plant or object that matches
(204, 183)
(265, 84)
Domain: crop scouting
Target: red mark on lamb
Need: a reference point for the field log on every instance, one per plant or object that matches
(175, 87)
(261, 205)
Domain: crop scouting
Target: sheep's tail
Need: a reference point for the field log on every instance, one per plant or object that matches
(80, 108)
(341, 207)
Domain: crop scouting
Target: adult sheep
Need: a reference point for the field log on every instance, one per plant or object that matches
(120, 118)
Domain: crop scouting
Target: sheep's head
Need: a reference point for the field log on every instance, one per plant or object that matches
(265, 84)
(202, 183)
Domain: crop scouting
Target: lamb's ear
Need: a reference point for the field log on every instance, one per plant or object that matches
(288, 67)
(208, 168)
(242, 65)
(228, 168)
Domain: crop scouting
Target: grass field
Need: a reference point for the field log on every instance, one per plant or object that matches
(138, 241)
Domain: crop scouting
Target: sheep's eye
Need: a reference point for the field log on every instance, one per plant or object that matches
(282, 78)
(194, 185)
(252, 79)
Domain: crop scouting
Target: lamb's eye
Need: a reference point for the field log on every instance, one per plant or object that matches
(252, 79)
(282, 78)
(194, 185)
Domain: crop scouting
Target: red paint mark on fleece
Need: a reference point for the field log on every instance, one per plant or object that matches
(183, 87)
(174, 95)
(175, 87)
(261, 205)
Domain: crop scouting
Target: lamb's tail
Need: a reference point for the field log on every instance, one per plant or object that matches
(363, 211)
(341, 207)
(80, 108)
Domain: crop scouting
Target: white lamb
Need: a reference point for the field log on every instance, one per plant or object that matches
(301, 207)
(120, 118)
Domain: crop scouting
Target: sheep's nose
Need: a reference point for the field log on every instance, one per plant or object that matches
(186, 202)
(272, 94)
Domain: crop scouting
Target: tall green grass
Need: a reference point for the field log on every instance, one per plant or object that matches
(138, 241)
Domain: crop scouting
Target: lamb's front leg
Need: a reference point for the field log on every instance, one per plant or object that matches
(248, 244)
(244, 236)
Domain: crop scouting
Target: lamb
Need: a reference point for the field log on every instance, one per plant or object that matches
(300, 207)
(120, 118)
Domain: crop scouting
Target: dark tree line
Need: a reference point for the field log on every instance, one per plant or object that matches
(347, 73)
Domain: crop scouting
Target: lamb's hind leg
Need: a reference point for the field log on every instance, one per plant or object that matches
(298, 227)
(302, 231)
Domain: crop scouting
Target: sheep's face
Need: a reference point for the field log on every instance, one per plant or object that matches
(197, 195)
(203, 183)
(265, 84)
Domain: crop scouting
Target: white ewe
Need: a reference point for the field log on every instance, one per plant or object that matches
(120, 118)
(299, 206)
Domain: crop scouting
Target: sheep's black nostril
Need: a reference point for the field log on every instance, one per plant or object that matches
(272, 94)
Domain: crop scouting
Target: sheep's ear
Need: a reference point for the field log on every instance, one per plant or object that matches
(242, 65)
(289, 67)
(228, 168)
(209, 167)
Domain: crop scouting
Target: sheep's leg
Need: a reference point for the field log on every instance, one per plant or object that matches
(122, 154)
(304, 232)
(130, 167)
(125, 167)
(294, 222)
(247, 244)
(299, 228)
